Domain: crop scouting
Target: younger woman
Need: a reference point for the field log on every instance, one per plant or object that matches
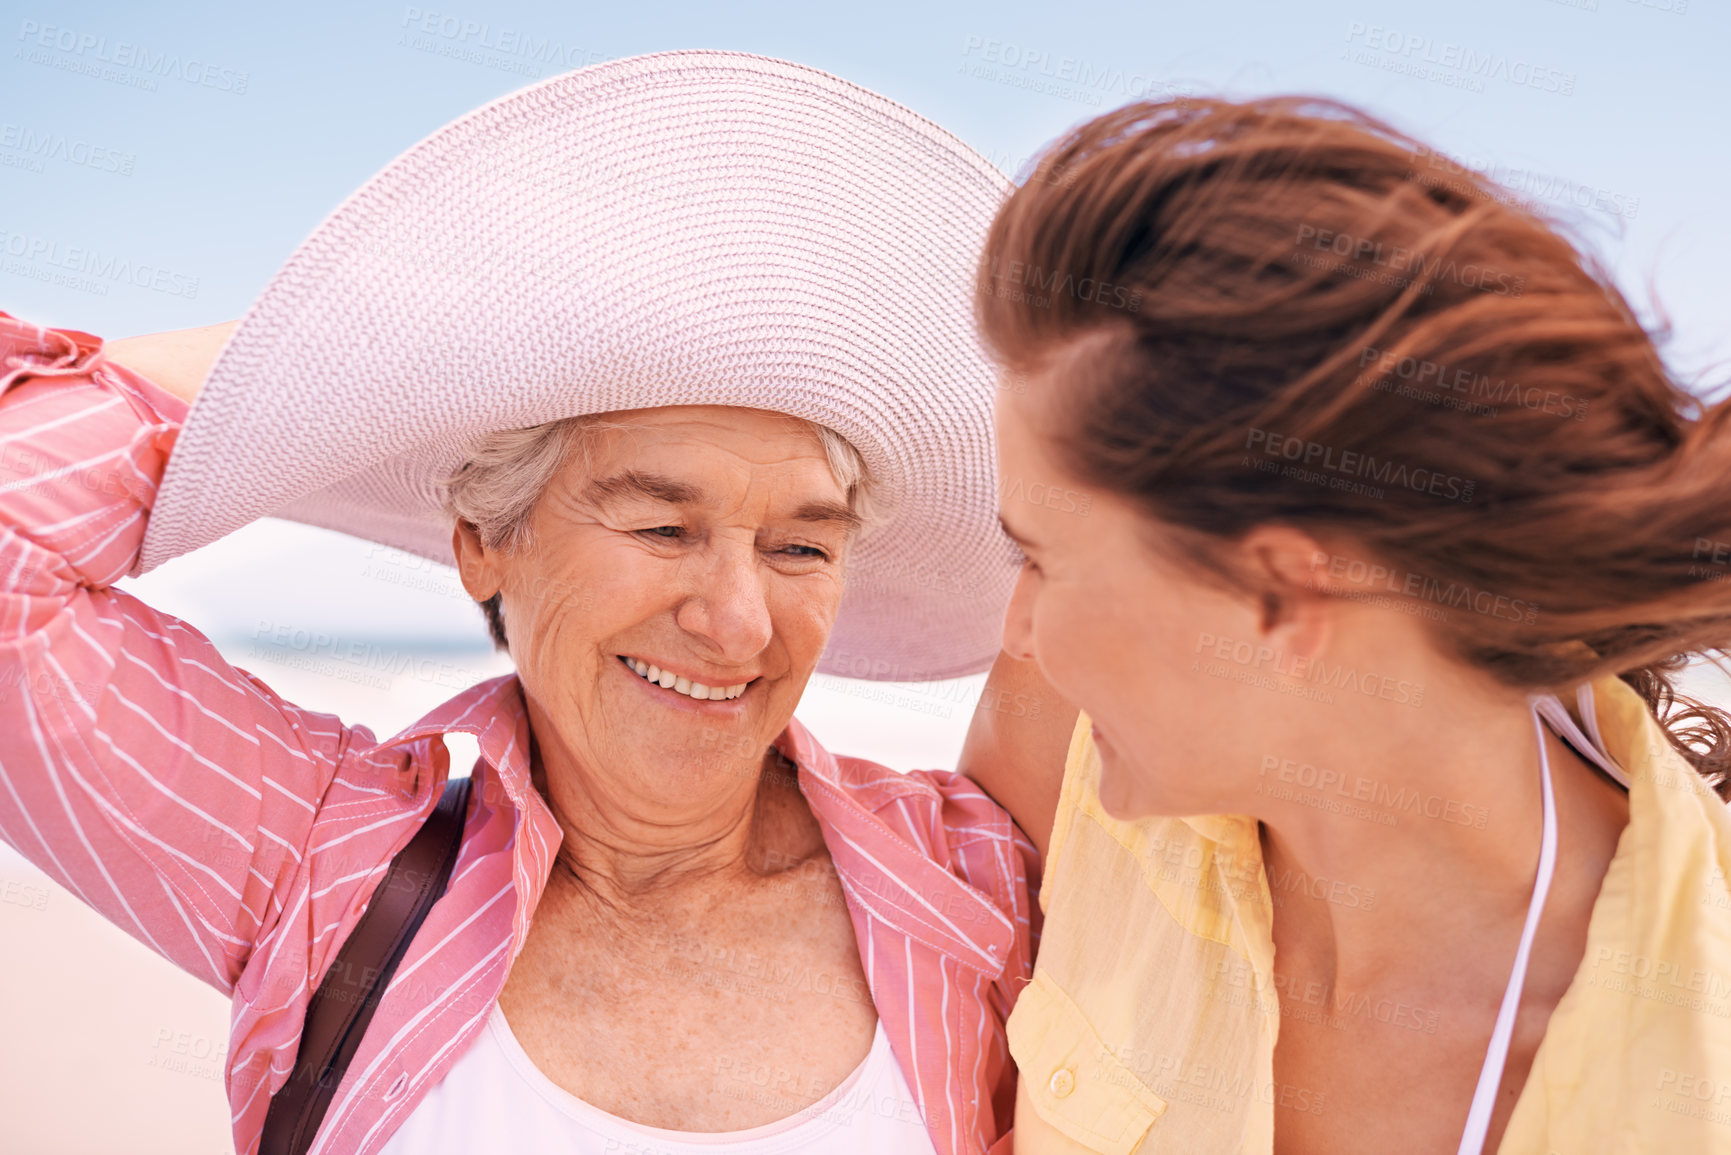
(1380, 527)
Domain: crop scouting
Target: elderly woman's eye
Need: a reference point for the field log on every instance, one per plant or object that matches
(665, 531)
(804, 551)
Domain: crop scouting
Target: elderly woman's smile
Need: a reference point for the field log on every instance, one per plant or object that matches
(670, 588)
(688, 687)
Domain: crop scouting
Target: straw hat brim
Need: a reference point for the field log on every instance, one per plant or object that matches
(676, 229)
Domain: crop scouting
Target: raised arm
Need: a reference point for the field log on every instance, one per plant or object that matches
(175, 362)
(168, 790)
(1017, 743)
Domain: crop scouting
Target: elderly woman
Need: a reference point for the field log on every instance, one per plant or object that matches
(658, 418)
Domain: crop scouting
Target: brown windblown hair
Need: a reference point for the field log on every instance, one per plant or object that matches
(1205, 276)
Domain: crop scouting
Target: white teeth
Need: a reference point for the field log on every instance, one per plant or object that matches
(694, 690)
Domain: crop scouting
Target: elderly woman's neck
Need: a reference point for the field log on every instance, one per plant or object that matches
(630, 848)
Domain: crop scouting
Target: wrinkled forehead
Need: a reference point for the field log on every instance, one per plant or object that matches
(698, 438)
(701, 454)
(720, 423)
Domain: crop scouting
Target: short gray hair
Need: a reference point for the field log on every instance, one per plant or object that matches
(497, 485)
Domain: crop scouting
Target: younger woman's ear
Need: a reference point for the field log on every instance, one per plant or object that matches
(477, 565)
(1293, 596)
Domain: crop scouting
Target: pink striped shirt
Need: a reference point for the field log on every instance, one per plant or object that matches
(242, 837)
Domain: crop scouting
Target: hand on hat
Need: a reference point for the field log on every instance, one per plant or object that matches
(177, 361)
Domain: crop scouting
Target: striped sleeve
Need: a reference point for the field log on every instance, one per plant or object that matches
(991, 854)
(169, 791)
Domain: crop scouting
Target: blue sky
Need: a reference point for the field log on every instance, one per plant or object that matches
(196, 144)
(223, 184)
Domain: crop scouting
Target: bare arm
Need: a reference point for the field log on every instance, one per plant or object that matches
(1017, 743)
(178, 361)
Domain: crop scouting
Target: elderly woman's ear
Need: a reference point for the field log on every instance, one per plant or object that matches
(477, 565)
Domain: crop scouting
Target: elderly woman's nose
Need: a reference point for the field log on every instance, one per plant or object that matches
(729, 603)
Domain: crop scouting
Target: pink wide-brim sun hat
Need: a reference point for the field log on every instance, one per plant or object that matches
(683, 228)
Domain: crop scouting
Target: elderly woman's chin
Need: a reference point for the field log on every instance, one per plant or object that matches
(696, 730)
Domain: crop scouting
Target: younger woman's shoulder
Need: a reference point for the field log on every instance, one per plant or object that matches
(927, 803)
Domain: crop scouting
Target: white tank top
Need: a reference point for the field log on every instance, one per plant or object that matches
(494, 1098)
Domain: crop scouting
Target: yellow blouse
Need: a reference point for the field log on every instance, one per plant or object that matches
(1150, 1022)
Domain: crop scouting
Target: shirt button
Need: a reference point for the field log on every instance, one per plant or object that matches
(1062, 1083)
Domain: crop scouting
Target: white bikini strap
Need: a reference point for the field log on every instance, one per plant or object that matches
(1589, 745)
(1497, 1055)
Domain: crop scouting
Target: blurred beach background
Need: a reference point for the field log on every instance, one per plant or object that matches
(159, 162)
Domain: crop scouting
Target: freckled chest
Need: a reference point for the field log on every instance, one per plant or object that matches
(715, 1011)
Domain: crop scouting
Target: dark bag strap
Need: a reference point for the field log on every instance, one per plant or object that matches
(341, 1008)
